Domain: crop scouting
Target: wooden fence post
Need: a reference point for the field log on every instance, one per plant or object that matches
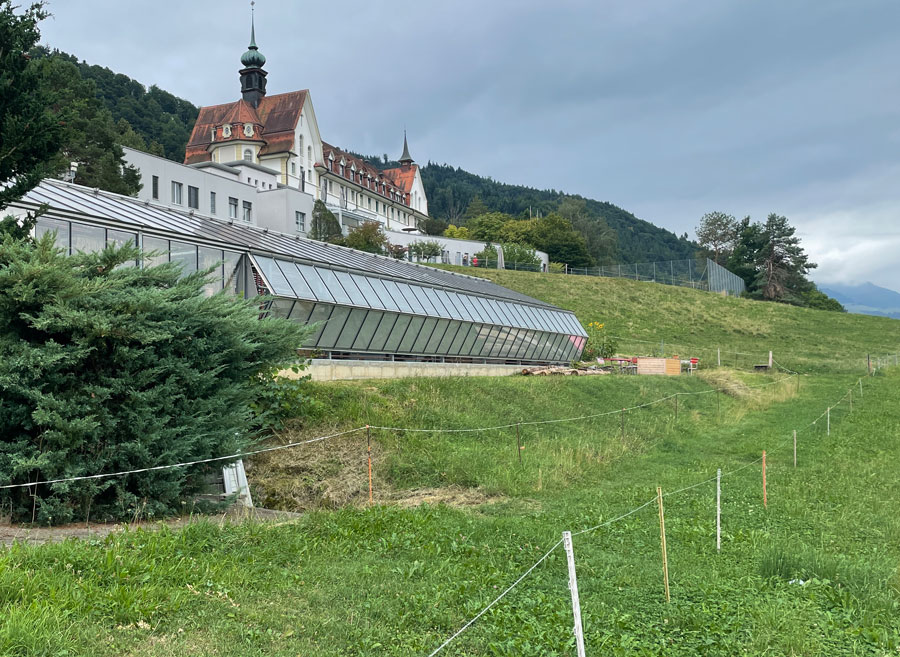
(518, 444)
(662, 540)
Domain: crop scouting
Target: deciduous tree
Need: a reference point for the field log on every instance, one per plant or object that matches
(717, 232)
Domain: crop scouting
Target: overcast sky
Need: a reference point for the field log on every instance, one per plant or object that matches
(667, 109)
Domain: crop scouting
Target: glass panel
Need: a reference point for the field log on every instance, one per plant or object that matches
(447, 310)
(351, 328)
(570, 348)
(534, 339)
(211, 258)
(469, 343)
(448, 337)
(428, 326)
(160, 246)
(457, 309)
(295, 279)
(411, 298)
(523, 342)
(514, 310)
(482, 308)
(436, 336)
(45, 225)
(320, 315)
(185, 255)
(473, 310)
(365, 288)
(367, 331)
(460, 338)
(277, 282)
(490, 309)
(415, 327)
(398, 298)
(279, 307)
(557, 320)
(555, 351)
(511, 342)
(88, 239)
(383, 332)
(301, 312)
(312, 278)
(334, 286)
(232, 270)
(356, 297)
(387, 301)
(504, 313)
(431, 299)
(333, 327)
(484, 334)
(120, 237)
(397, 332)
(530, 319)
(427, 300)
(544, 318)
(499, 345)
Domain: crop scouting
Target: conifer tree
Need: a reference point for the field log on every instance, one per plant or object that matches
(107, 368)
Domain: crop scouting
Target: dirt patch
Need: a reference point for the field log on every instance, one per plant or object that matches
(452, 496)
(93, 531)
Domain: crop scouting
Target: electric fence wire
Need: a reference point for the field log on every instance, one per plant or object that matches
(605, 524)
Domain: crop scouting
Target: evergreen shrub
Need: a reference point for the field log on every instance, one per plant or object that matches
(106, 367)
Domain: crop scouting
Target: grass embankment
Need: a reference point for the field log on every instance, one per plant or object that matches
(398, 581)
(692, 322)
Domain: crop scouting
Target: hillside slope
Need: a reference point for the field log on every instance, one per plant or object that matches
(460, 515)
(693, 322)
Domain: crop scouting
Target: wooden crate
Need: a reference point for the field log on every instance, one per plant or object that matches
(659, 366)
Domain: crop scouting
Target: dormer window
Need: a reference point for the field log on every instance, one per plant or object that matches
(226, 131)
(212, 136)
(248, 155)
(248, 129)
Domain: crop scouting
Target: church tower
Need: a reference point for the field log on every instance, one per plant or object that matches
(253, 77)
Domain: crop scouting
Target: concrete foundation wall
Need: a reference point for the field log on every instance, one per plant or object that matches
(343, 370)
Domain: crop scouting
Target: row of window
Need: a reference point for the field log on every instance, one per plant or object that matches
(357, 329)
(193, 200)
(362, 201)
(73, 237)
(290, 279)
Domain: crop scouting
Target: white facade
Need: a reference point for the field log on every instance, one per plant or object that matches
(239, 191)
(455, 251)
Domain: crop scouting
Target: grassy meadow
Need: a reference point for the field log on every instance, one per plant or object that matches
(458, 517)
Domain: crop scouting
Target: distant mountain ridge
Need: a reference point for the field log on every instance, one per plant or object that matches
(866, 299)
(166, 121)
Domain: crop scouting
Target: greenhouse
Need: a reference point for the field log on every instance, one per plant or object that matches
(363, 305)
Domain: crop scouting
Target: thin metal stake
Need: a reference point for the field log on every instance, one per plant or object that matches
(860, 389)
(717, 405)
(573, 589)
(719, 510)
(828, 421)
(623, 425)
(369, 445)
(765, 492)
(662, 540)
(518, 444)
(851, 400)
(676, 406)
(795, 448)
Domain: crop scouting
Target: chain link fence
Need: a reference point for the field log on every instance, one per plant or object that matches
(696, 273)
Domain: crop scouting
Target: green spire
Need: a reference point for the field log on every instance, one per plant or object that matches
(253, 58)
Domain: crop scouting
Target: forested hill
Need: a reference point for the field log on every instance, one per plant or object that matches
(158, 121)
(451, 190)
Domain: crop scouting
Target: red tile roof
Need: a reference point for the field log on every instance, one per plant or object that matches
(278, 115)
(403, 176)
(372, 179)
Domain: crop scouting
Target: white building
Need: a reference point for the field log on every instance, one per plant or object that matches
(261, 161)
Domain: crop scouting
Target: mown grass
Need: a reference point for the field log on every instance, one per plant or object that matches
(387, 580)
